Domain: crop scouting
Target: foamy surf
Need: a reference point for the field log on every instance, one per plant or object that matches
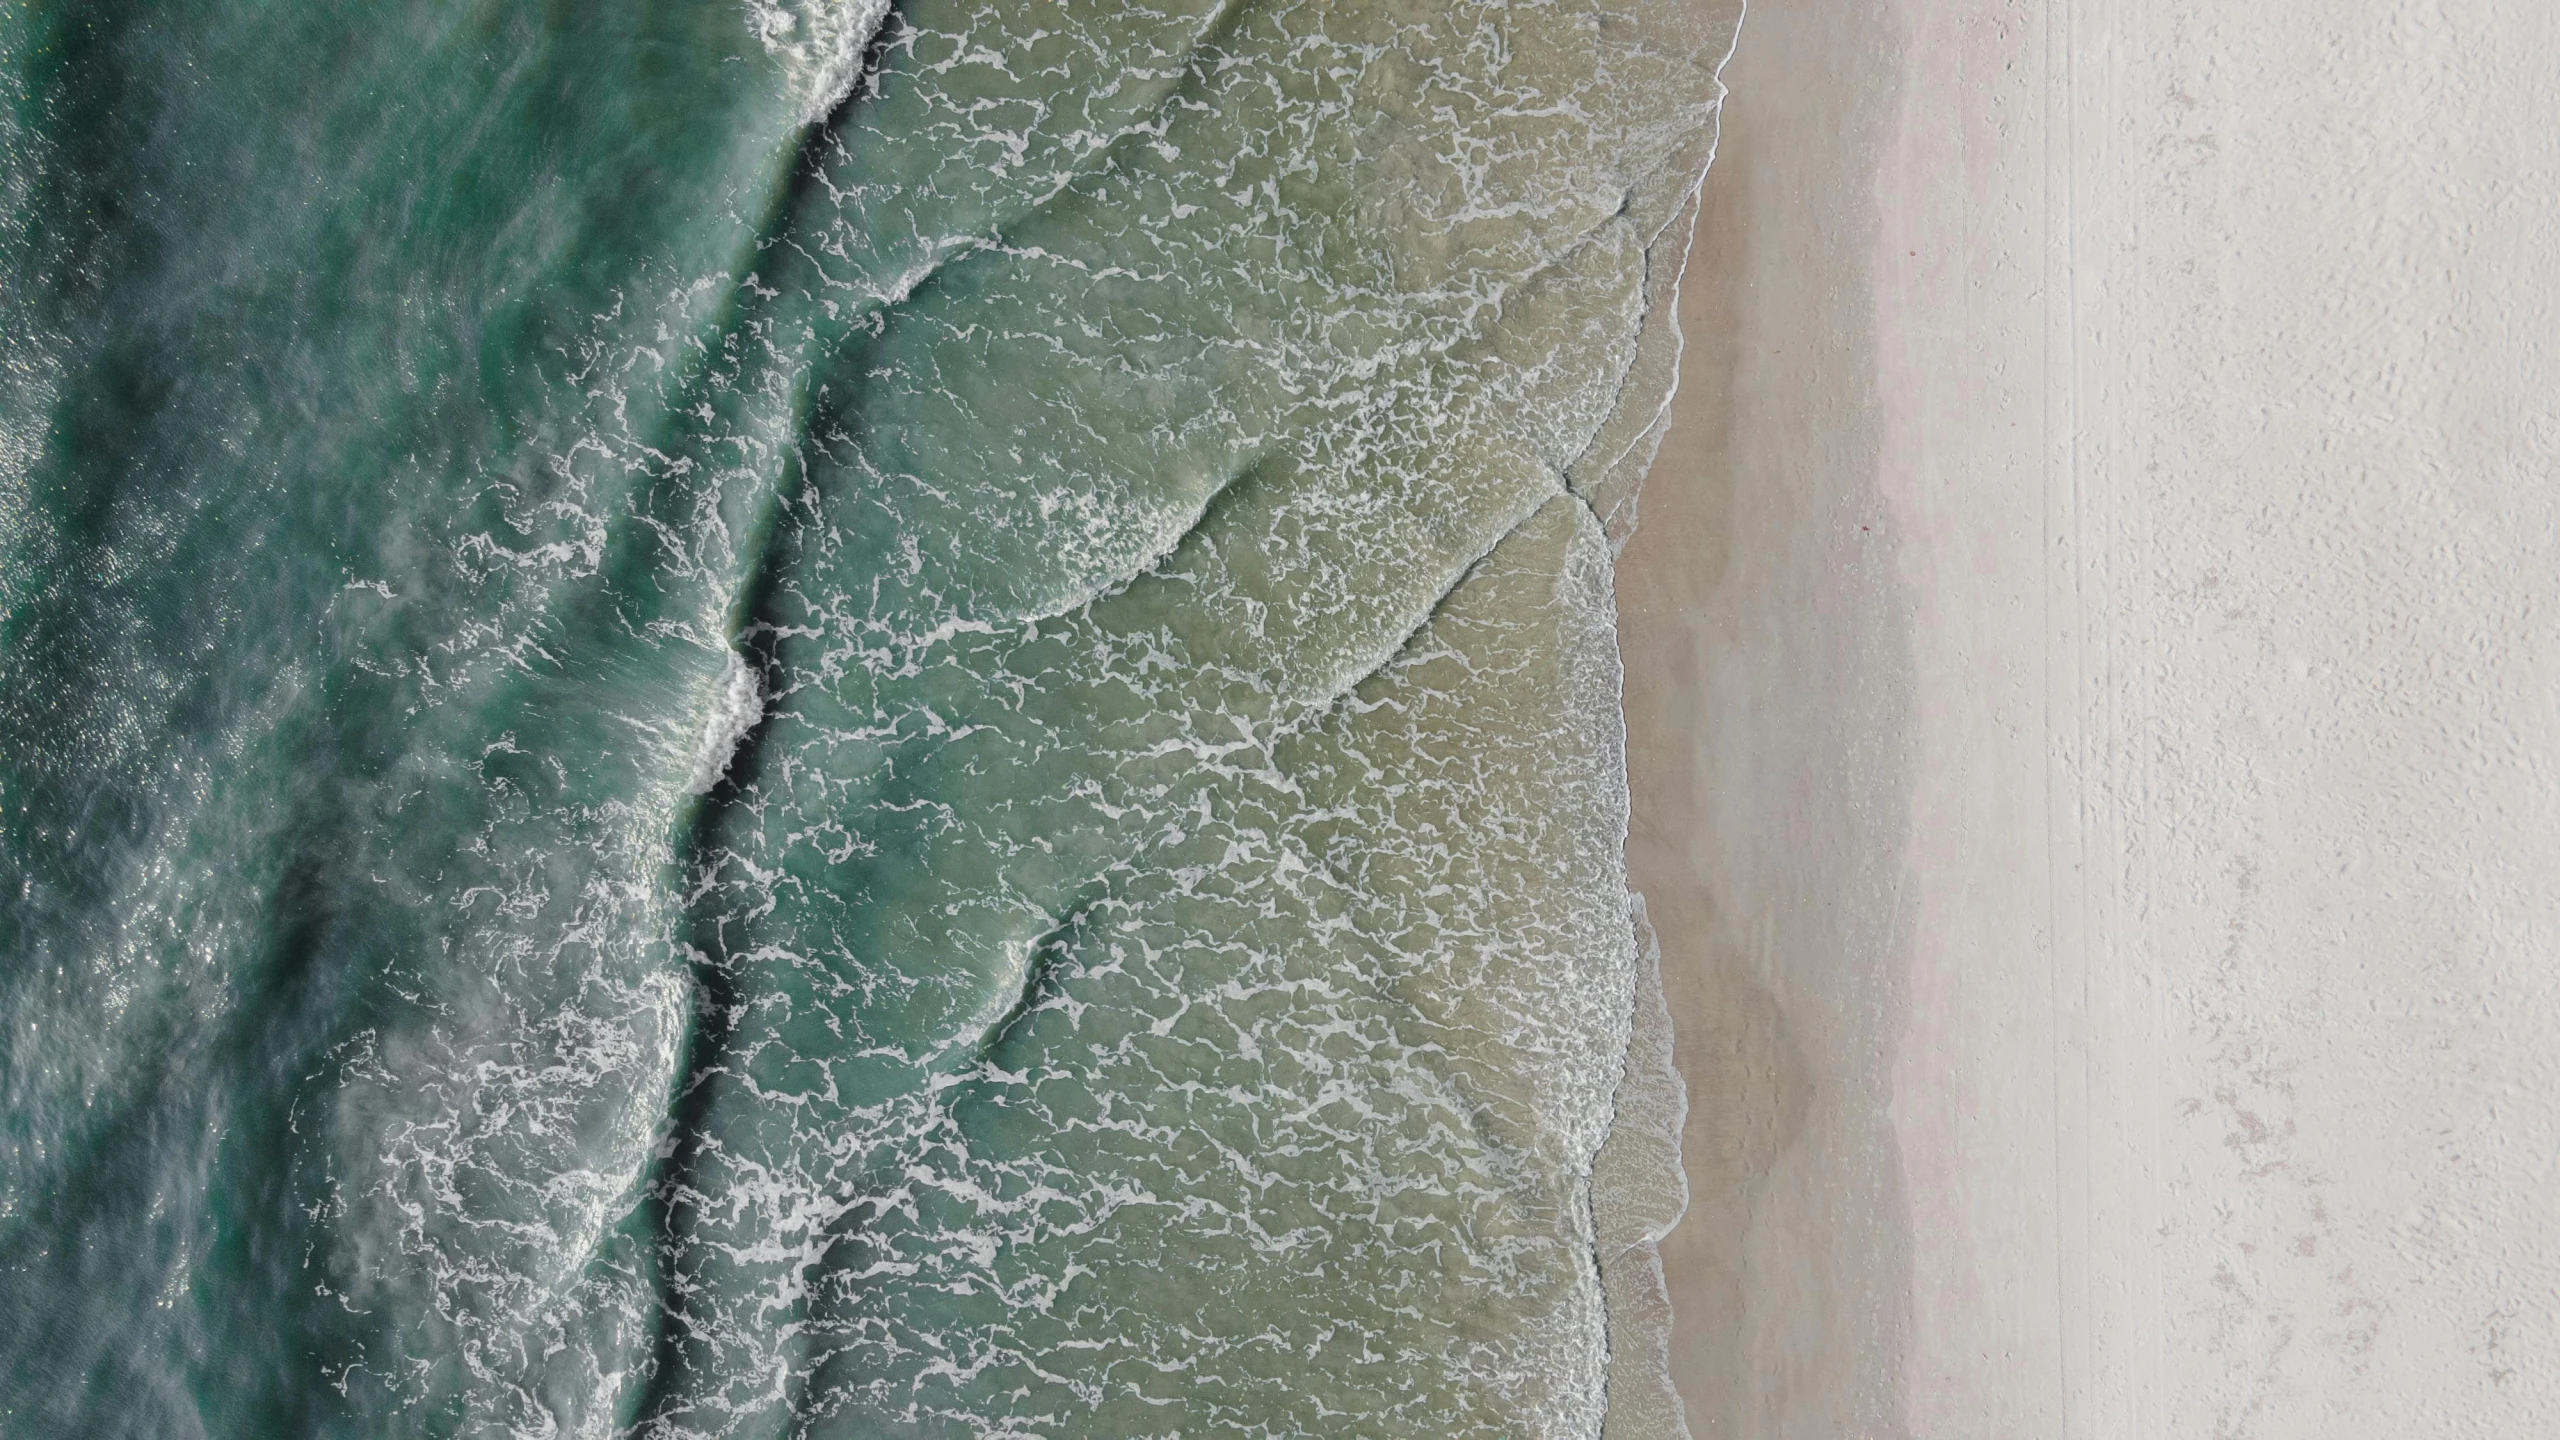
(821, 44)
(737, 704)
(1151, 896)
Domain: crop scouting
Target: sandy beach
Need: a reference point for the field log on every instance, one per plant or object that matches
(2090, 731)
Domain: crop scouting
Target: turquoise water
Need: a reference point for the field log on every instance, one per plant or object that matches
(752, 719)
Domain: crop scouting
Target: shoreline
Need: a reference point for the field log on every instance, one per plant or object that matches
(1759, 623)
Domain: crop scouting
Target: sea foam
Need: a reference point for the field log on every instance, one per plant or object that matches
(737, 705)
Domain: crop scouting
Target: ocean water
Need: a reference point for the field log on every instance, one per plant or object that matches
(802, 717)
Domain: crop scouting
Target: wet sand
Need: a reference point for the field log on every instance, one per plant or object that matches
(1766, 683)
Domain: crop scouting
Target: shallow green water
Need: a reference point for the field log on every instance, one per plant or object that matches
(744, 719)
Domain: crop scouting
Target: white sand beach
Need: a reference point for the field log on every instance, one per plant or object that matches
(2092, 683)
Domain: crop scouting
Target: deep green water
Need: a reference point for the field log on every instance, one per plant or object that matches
(724, 718)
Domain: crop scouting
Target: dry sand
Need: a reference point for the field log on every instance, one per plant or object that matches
(2093, 681)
